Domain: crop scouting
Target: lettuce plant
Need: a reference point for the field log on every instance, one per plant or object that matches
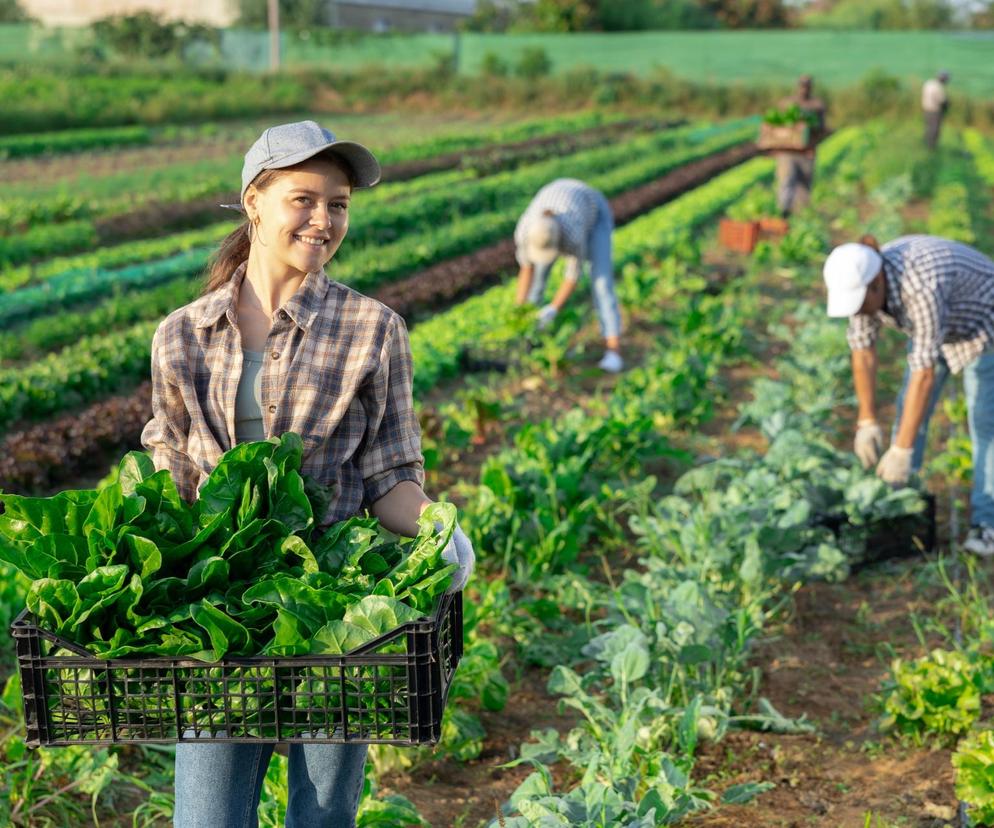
(974, 764)
(937, 695)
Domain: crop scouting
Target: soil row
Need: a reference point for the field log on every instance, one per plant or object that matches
(42, 457)
(160, 217)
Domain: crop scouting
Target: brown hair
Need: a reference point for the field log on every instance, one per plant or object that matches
(235, 246)
(870, 241)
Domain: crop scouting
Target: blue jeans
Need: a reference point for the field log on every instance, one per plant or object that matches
(601, 273)
(218, 785)
(978, 385)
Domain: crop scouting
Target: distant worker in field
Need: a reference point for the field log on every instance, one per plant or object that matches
(570, 218)
(796, 168)
(935, 102)
(941, 294)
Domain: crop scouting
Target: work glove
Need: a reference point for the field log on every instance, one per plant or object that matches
(546, 315)
(895, 466)
(459, 551)
(869, 442)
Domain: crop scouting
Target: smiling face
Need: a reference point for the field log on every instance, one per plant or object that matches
(302, 216)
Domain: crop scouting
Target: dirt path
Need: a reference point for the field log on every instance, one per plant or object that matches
(827, 661)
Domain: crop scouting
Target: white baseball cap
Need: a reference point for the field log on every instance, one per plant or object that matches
(542, 242)
(848, 271)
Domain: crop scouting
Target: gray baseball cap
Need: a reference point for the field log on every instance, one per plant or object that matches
(288, 144)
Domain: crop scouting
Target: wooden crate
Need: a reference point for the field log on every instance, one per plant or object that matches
(793, 137)
(740, 236)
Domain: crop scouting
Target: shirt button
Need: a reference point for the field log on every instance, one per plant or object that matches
(272, 409)
(283, 315)
(276, 354)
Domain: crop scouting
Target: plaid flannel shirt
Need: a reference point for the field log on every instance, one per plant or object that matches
(338, 372)
(941, 293)
(576, 206)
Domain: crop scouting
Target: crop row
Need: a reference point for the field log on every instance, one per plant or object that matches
(669, 669)
(121, 193)
(385, 211)
(526, 516)
(76, 140)
(374, 265)
(937, 697)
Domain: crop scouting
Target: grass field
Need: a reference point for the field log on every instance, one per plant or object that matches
(836, 58)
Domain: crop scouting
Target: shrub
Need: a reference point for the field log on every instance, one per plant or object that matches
(533, 62)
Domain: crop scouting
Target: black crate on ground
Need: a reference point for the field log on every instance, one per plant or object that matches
(902, 537)
(390, 691)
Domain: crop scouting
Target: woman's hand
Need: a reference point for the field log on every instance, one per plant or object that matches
(459, 550)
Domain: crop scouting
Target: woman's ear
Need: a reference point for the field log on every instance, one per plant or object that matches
(250, 203)
(870, 241)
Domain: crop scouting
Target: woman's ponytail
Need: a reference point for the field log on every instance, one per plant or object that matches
(233, 251)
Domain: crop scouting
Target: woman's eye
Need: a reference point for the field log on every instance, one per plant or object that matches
(340, 206)
(302, 199)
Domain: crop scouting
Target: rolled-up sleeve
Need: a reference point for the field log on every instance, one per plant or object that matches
(392, 449)
(862, 332)
(925, 317)
(520, 237)
(165, 435)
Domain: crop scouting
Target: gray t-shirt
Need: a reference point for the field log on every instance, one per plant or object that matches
(248, 402)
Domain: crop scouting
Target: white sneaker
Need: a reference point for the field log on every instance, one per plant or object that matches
(980, 541)
(611, 362)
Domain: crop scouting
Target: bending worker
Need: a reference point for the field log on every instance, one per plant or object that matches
(941, 294)
(570, 218)
(796, 168)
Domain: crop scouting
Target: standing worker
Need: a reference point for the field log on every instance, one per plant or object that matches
(935, 102)
(274, 346)
(941, 294)
(570, 218)
(796, 168)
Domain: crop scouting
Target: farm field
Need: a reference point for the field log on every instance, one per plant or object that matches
(650, 638)
(837, 58)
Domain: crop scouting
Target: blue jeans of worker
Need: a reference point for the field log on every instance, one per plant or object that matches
(601, 273)
(218, 785)
(978, 386)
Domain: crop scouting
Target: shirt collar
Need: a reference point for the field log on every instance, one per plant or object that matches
(892, 284)
(302, 307)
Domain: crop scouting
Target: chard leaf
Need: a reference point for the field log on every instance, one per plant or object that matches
(226, 634)
(339, 637)
(134, 467)
(379, 614)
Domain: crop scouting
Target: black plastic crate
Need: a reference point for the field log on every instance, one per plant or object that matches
(885, 540)
(390, 691)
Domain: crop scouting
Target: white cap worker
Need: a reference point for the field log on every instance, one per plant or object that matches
(570, 218)
(935, 102)
(941, 294)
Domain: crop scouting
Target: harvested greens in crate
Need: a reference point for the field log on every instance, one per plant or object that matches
(235, 617)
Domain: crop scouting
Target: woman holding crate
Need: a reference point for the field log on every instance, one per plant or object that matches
(273, 345)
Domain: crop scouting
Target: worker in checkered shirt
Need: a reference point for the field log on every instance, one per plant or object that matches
(573, 219)
(940, 293)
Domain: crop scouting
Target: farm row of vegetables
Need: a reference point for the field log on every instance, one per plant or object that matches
(938, 698)
(493, 199)
(95, 209)
(100, 364)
